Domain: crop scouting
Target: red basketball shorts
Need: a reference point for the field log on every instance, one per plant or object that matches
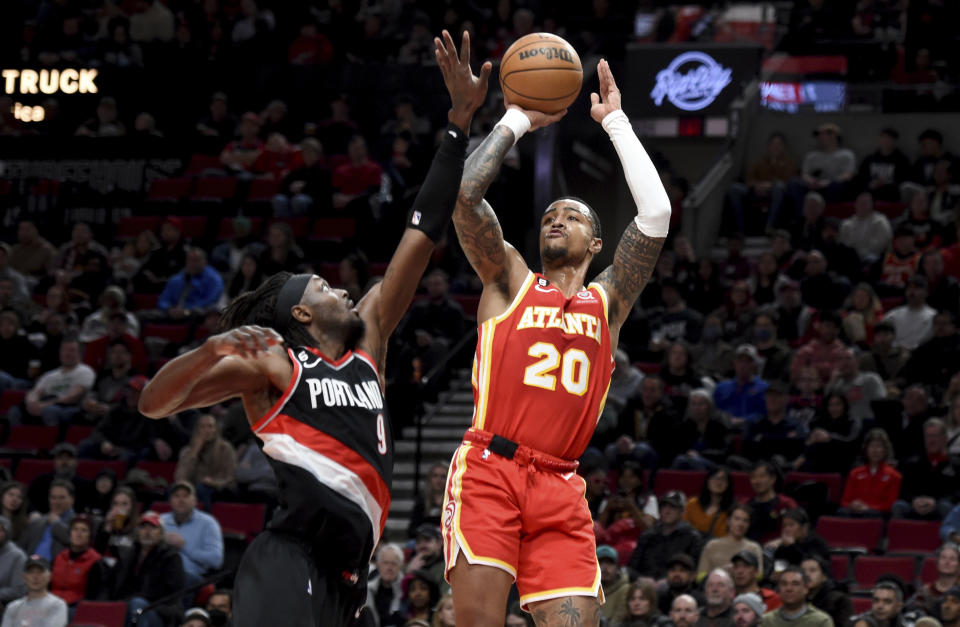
(532, 523)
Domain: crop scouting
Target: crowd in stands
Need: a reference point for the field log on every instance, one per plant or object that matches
(833, 353)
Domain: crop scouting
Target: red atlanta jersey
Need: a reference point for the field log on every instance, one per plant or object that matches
(542, 368)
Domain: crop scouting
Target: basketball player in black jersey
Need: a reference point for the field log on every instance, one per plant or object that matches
(306, 363)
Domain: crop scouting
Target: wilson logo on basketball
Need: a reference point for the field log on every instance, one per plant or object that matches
(547, 53)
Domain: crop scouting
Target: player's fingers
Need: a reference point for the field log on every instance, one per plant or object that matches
(448, 43)
(465, 48)
(594, 98)
(485, 71)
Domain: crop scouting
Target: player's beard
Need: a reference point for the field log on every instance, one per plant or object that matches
(553, 254)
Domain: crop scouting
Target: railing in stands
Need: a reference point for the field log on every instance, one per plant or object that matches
(428, 386)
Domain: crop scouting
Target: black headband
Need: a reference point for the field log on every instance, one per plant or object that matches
(290, 295)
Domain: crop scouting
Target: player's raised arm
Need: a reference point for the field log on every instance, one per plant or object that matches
(477, 226)
(385, 304)
(639, 247)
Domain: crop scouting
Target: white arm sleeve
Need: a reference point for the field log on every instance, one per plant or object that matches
(653, 204)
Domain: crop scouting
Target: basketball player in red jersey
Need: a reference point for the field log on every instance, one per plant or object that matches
(308, 366)
(514, 507)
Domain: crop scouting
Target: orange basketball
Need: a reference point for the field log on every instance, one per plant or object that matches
(541, 72)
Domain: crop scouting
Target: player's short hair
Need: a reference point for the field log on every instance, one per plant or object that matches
(594, 218)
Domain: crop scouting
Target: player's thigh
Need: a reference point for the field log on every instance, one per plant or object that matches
(479, 593)
(566, 612)
(277, 584)
(481, 517)
(559, 530)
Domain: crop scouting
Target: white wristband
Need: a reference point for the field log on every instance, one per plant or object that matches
(517, 122)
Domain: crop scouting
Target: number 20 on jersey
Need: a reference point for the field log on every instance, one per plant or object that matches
(574, 368)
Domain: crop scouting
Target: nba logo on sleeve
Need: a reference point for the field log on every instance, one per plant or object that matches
(416, 218)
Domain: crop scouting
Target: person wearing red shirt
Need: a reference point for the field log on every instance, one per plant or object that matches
(96, 354)
(240, 154)
(76, 570)
(873, 488)
(353, 179)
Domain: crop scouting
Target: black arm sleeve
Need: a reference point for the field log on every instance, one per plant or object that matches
(434, 204)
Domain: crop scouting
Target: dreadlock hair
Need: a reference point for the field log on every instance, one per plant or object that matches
(259, 307)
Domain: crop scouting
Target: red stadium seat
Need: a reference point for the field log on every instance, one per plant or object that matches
(29, 437)
(164, 470)
(90, 468)
(10, 398)
(331, 272)
(867, 568)
(832, 480)
(169, 190)
(104, 613)
(193, 226)
(469, 302)
(648, 367)
(742, 489)
(240, 518)
(913, 536)
(928, 570)
(144, 301)
(687, 481)
(176, 333)
(840, 567)
(199, 163)
(378, 268)
(132, 226)
(861, 604)
(263, 190)
(162, 507)
(30, 469)
(226, 227)
(333, 229)
(214, 190)
(78, 433)
(891, 209)
(299, 226)
(851, 533)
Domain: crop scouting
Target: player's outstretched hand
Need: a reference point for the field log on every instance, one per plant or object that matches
(538, 119)
(246, 341)
(466, 90)
(608, 100)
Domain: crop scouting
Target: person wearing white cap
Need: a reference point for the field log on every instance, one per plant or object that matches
(748, 609)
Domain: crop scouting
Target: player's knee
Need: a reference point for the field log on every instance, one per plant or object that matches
(567, 611)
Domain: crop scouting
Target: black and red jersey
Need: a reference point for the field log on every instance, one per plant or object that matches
(329, 441)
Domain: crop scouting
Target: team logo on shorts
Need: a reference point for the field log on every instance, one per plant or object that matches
(448, 513)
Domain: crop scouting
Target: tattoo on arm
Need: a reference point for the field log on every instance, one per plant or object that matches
(633, 265)
(477, 226)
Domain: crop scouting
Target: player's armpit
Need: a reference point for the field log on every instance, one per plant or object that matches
(633, 263)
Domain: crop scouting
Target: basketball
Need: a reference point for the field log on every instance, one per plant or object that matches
(541, 72)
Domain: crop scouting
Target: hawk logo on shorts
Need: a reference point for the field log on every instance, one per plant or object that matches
(449, 511)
